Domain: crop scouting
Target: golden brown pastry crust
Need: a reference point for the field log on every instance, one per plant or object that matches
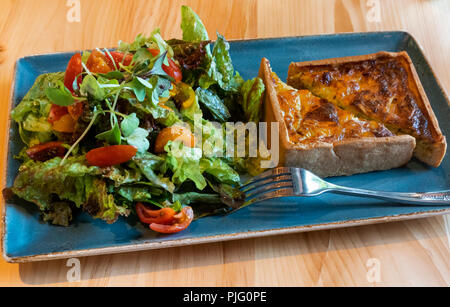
(383, 86)
(346, 157)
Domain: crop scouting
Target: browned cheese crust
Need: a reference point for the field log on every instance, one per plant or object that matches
(383, 87)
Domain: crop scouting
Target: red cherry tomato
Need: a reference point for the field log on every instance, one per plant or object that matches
(98, 63)
(56, 112)
(162, 216)
(181, 222)
(73, 70)
(46, 151)
(110, 155)
(119, 57)
(172, 70)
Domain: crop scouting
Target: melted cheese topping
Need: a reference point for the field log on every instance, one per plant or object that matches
(310, 119)
(379, 89)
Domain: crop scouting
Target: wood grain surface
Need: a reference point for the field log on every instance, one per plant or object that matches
(414, 252)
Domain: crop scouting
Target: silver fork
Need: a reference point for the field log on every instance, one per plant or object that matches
(291, 181)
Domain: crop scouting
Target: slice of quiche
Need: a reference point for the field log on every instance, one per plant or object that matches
(317, 135)
(383, 87)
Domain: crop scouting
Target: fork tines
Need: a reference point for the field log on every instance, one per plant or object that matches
(273, 183)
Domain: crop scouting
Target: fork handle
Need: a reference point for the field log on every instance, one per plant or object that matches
(429, 198)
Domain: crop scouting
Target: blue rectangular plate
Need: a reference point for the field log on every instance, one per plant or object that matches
(27, 238)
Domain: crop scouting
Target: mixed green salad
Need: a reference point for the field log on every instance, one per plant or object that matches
(113, 134)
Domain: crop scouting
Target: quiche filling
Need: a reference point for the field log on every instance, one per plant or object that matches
(310, 119)
(376, 89)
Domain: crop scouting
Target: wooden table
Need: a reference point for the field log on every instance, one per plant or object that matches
(414, 252)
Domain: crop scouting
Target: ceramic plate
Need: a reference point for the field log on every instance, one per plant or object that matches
(27, 238)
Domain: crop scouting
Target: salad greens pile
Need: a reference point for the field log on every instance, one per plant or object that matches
(135, 99)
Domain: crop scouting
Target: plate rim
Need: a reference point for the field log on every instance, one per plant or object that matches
(214, 238)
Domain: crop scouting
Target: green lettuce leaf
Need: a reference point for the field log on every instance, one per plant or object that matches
(59, 213)
(135, 193)
(150, 164)
(220, 170)
(220, 69)
(121, 175)
(184, 163)
(45, 183)
(252, 92)
(192, 26)
(37, 182)
(99, 203)
(32, 112)
(213, 104)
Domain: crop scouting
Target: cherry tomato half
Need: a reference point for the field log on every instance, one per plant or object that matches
(182, 221)
(173, 133)
(163, 216)
(73, 70)
(119, 57)
(110, 155)
(46, 151)
(98, 63)
(172, 70)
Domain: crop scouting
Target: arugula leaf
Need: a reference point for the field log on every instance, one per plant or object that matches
(138, 89)
(112, 136)
(141, 56)
(60, 96)
(192, 26)
(145, 83)
(115, 74)
(157, 66)
(214, 104)
(91, 87)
